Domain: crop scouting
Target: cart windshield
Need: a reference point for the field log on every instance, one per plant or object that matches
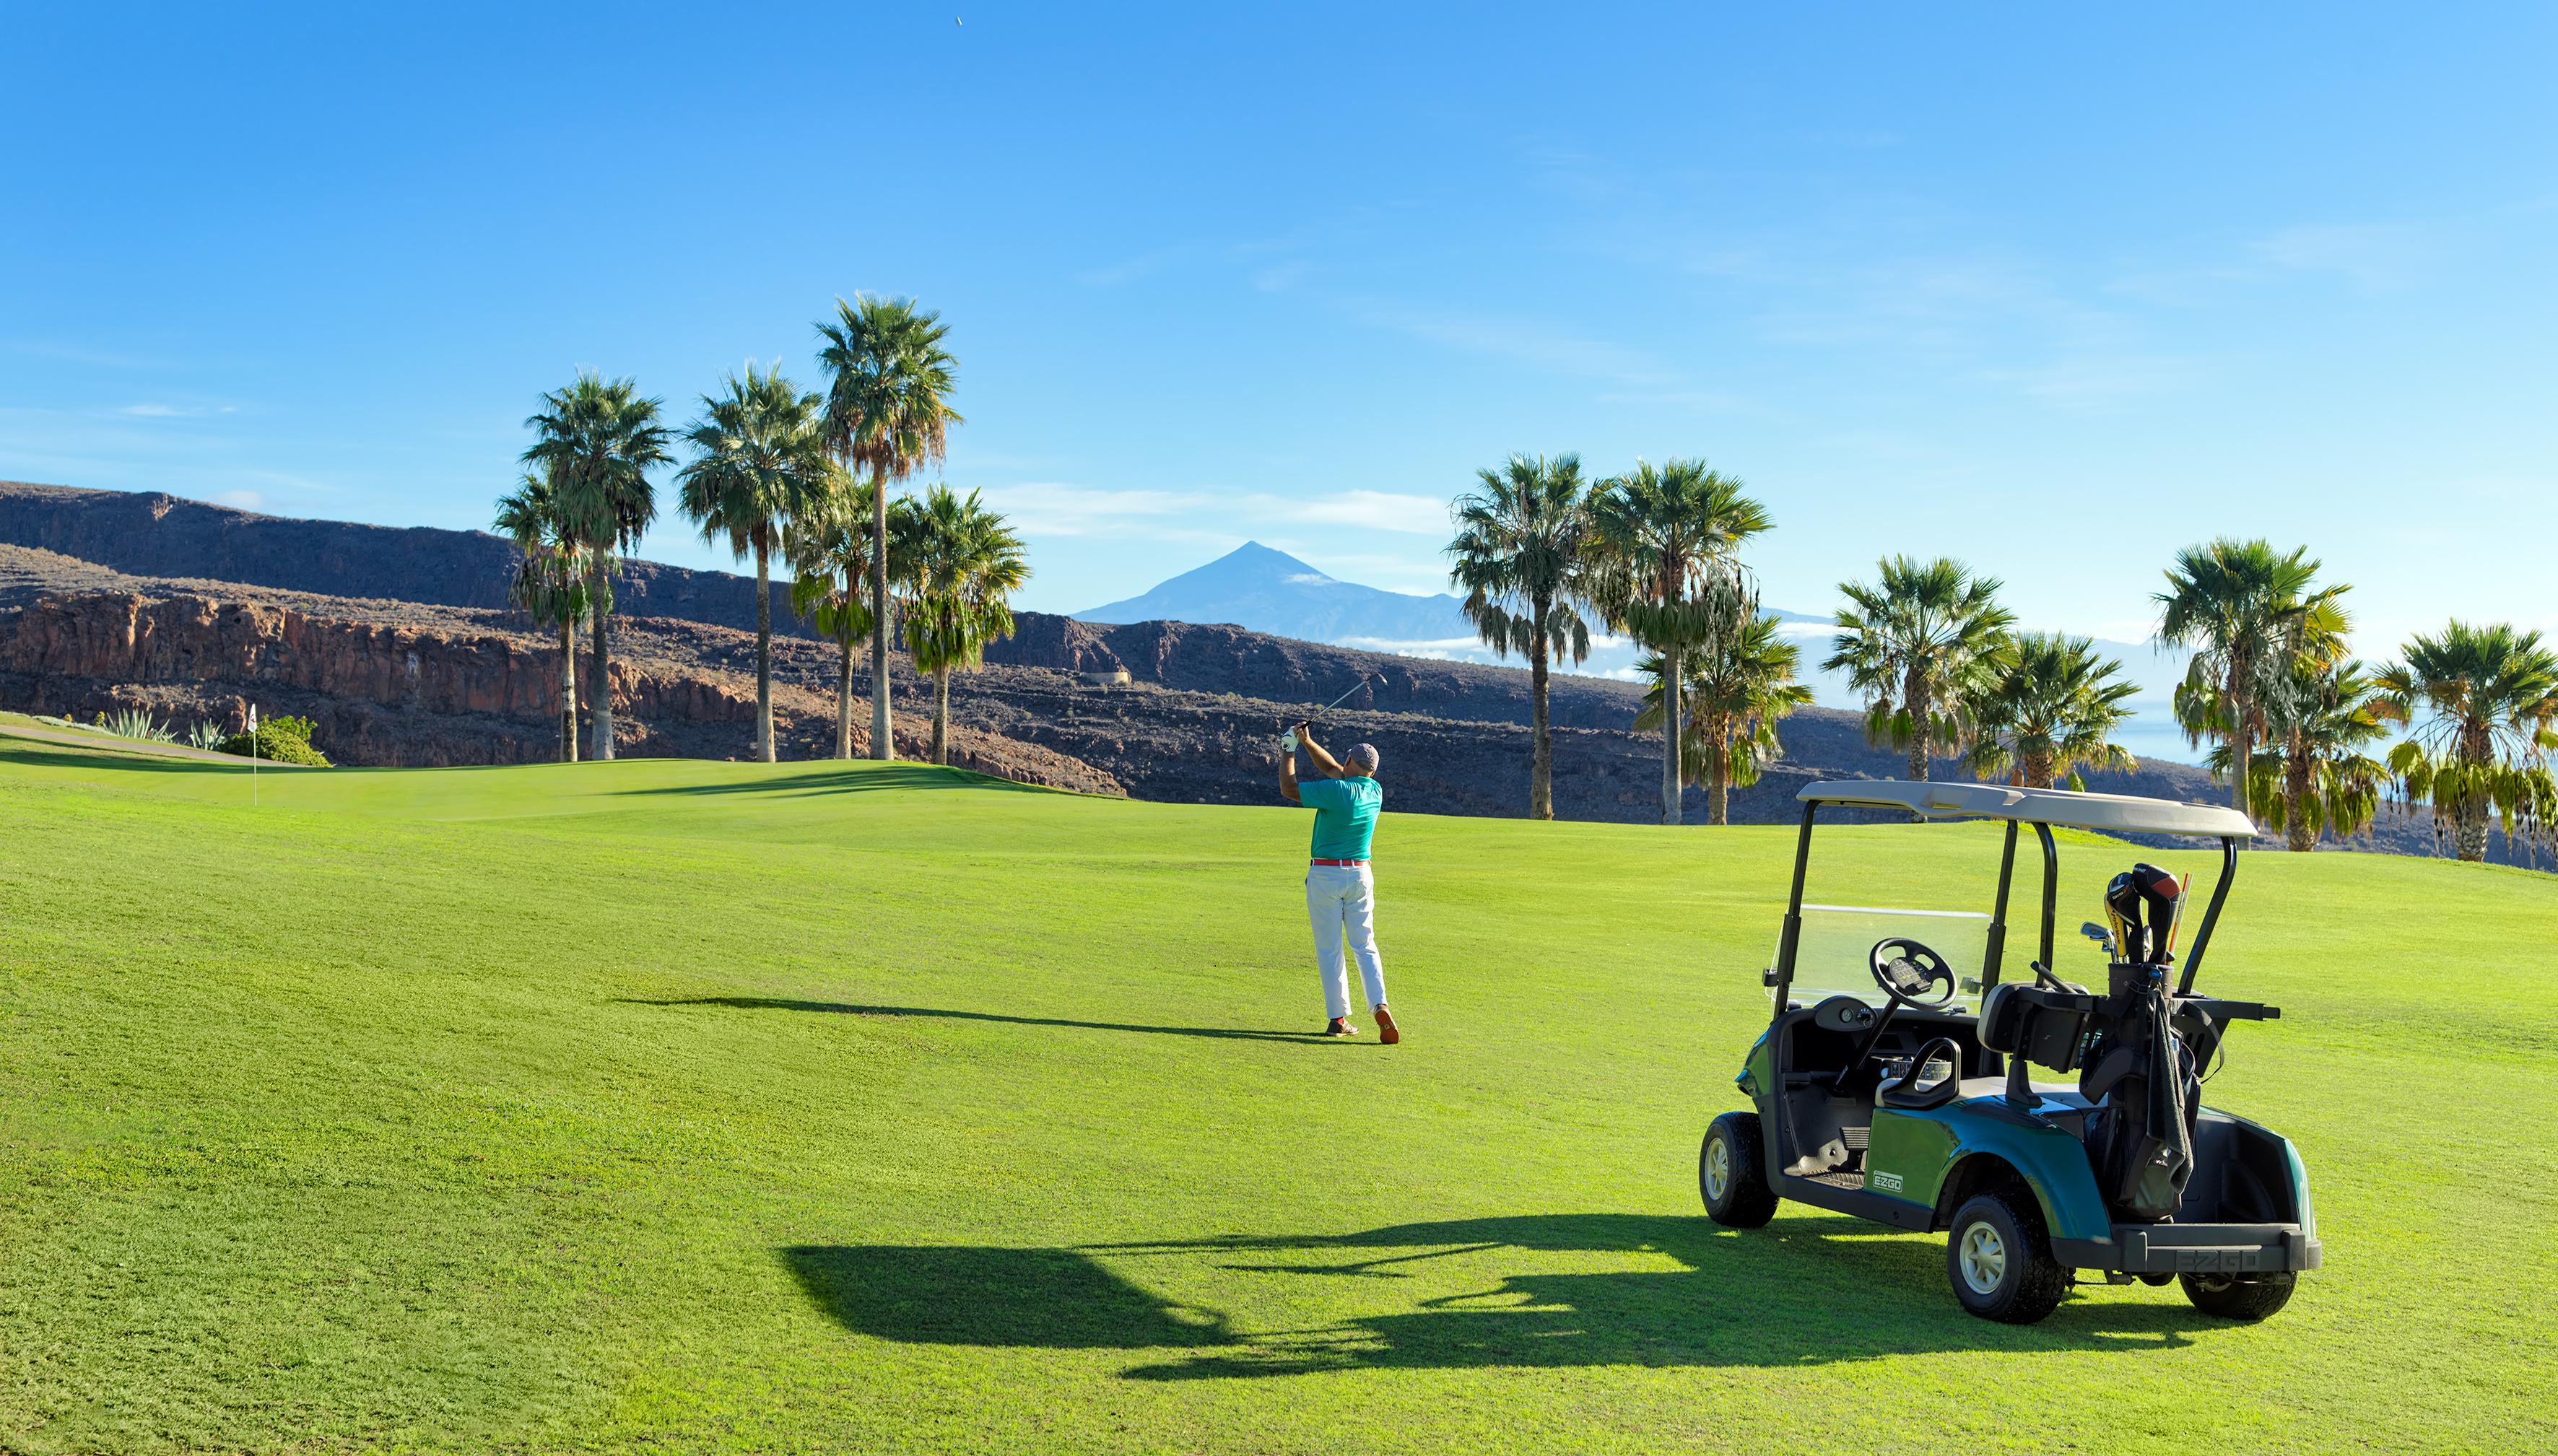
(1830, 957)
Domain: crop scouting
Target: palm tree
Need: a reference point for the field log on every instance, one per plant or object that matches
(549, 583)
(1668, 572)
(2245, 610)
(1921, 645)
(2321, 779)
(1518, 553)
(830, 558)
(1735, 693)
(762, 464)
(2482, 705)
(2051, 706)
(596, 442)
(963, 565)
(886, 412)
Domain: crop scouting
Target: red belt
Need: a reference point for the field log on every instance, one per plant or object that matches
(1341, 864)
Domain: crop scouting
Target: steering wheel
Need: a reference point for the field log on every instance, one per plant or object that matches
(1909, 973)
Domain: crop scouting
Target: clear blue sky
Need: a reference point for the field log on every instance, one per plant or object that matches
(2052, 290)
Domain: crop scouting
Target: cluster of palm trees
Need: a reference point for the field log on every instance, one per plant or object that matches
(778, 474)
(1655, 555)
(2271, 685)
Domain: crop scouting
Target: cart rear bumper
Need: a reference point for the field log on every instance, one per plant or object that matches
(2194, 1248)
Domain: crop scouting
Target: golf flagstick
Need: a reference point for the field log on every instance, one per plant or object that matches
(252, 755)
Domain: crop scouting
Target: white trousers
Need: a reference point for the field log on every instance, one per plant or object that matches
(1340, 899)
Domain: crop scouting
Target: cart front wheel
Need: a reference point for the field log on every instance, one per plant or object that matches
(2249, 1297)
(1731, 1173)
(1999, 1262)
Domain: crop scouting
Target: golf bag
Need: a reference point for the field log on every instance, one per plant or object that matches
(2141, 1077)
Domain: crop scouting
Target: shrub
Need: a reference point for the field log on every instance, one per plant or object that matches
(136, 723)
(281, 741)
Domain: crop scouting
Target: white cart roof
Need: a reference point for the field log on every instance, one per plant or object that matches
(2104, 813)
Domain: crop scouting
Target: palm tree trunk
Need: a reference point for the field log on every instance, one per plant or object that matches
(568, 690)
(1673, 786)
(844, 700)
(1540, 751)
(941, 716)
(1718, 770)
(2241, 738)
(762, 652)
(2470, 820)
(2299, 834)
(1916, 697)
(2036, 770)
(883, 741)
(603, 715)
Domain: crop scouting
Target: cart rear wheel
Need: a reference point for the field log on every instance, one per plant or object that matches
(1731, 1173)
(1999, 1262)
(2248, 1297)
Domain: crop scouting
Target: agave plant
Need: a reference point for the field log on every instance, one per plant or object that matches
(137, 723)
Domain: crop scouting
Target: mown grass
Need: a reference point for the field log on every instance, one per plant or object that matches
(696, 1107)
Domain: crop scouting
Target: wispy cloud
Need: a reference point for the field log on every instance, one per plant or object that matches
(2375, 257)
(151, 411)
(241, 500)
(1052, 507)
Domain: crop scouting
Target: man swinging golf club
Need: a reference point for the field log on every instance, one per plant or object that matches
(1339, 894)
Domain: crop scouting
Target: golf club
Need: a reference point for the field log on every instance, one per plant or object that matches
(1288, 740)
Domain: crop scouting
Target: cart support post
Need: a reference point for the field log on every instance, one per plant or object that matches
(1994, 945)
(2210, 914)
(1781, 974)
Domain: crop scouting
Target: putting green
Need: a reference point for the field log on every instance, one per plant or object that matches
(719, 1106)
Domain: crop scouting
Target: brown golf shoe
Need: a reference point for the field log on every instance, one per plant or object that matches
(1386, 1031)
(1340, 1026)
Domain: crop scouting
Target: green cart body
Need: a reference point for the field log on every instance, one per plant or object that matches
(1907, 1116)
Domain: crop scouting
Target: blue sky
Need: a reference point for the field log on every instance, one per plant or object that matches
(2052, 290)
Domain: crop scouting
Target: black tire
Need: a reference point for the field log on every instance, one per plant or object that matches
(1999, 1261)
(2249, 1297)
(2158, 1282)
(1731, 1173)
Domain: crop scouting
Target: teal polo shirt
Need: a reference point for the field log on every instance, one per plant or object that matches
(1345, 814)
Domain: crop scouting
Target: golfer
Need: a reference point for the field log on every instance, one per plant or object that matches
(1341, 897)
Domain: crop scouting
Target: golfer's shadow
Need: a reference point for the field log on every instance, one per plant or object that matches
(848, 1008)
(1809, 1290)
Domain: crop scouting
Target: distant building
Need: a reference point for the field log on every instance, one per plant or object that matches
(1103, 677)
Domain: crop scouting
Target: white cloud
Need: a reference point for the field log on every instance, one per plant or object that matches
(1376, 510)
(241, 499)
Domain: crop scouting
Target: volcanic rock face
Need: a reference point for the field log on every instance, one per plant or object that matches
(393, 695)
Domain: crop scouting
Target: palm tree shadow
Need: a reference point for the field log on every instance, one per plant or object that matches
(869, 778)
(846, 1008)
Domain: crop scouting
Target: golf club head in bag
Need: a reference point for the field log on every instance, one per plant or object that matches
(2164, 896)
(2123, 906)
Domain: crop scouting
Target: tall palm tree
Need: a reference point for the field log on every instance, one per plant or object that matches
(1518, 557)
(549, 583)
(1735, 693)
(2483, 706)
(1668, 572)
(2324, 716)
(1921, 644)
(596, 442)
(963, 565)
(888, 413)
(2052, 705)
(2245, 610)
(830, 560)
(760, 464)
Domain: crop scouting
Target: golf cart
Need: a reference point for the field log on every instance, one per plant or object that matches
(1893, 1082)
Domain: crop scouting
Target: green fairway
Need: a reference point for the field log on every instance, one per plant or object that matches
(686, 1105)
